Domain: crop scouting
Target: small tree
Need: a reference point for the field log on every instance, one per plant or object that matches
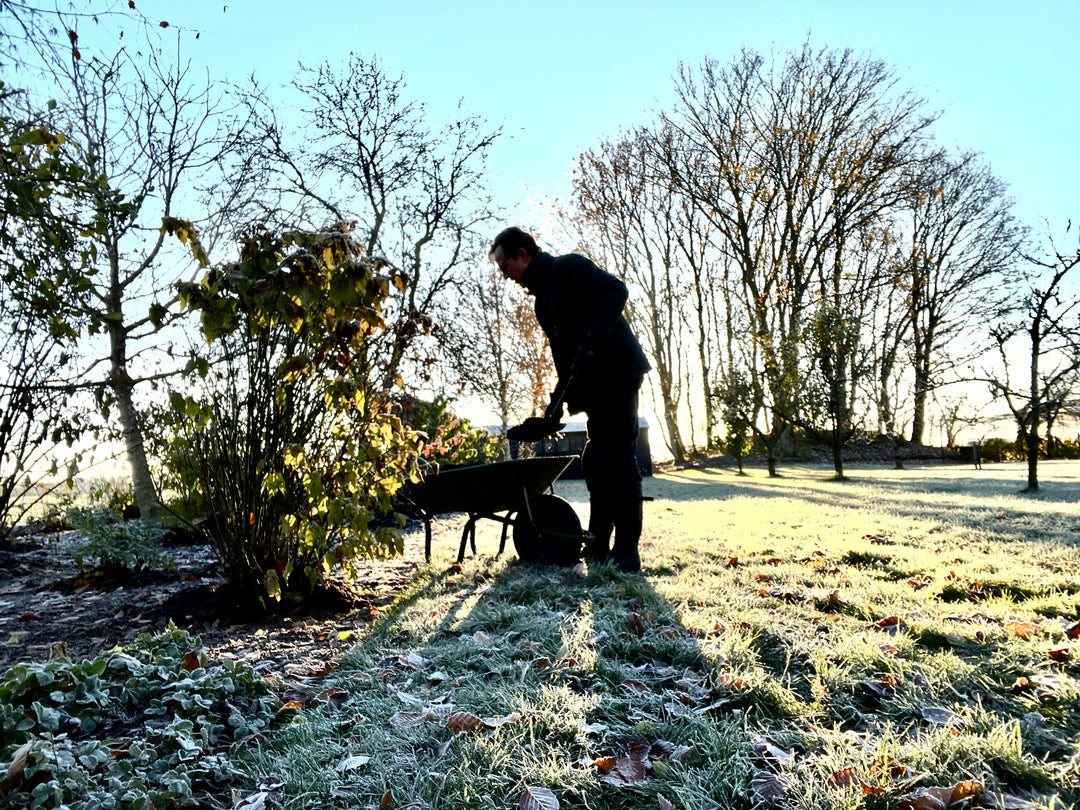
(822, 407)
(295, 460)
(1046, 318)
(736, 399)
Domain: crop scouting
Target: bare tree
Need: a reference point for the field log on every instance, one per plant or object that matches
(497, 348)
(1046, 320)
(791, 160)
(142, 129)
(632, 215)
(962, 243)
(357, 149)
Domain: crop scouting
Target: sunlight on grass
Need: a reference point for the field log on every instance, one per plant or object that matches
(826, 644)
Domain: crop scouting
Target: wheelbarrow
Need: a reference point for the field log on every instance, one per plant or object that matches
(515, 493)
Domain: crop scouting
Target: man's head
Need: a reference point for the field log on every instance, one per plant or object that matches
(513, 250)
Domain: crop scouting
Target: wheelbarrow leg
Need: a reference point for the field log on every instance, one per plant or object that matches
(505, 529)
(468, 533)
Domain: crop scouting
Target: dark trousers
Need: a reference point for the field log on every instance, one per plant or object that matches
(609, 464)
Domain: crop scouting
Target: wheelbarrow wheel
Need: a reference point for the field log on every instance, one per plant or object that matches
(553, 537)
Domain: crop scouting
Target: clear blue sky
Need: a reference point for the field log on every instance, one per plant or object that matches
(559, 75)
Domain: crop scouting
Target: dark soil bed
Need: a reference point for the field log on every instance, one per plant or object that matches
(45, 601)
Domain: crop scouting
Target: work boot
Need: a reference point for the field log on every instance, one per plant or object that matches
(628, 519)
(598, 543)
(596, 551)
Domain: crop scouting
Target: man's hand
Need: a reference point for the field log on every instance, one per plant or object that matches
(534, 429)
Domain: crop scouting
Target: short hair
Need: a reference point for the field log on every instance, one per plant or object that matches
(513, 239)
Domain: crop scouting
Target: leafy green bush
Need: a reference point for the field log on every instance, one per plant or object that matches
(1000, 450)
(150, 725)
(286, 445)
(450, 441)
(117, 544)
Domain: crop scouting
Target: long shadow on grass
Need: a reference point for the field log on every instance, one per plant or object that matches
(491, 676)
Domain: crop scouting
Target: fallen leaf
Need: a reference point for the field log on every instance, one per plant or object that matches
(387, 798)
(635, 687)
(1062, 655)
(333, 696)
(538, 799)
(628, 771)
(662, 749)
(352, 763)
(1022, 629)
(939, 716)
(768, 788)
(1073, 631)
(464, 721)
(1004, 801)
(847, 777)
(767, 749)
(17, 766)
(664, 803)
(604, 764)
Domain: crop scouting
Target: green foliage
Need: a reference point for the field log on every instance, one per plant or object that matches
(996, 449)
(736, 397)
(152, 724)
(129, 545)
(289, 451)
(450, 441)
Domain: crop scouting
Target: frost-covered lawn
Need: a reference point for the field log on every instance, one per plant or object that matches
(902, 639)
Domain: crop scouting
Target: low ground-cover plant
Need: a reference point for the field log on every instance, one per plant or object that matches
(115, 544)
(793, 643)
(154, 724)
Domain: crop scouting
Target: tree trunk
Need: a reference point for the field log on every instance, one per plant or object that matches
(918, 418)
(837, 459)
(142, 482)
(1033, 460)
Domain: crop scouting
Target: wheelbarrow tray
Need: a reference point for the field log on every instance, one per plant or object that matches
(503, 486)
(485, 490)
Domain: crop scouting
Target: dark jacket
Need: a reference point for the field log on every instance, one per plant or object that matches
(579, 307)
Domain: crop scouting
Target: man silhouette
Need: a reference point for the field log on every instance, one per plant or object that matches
(600, 365)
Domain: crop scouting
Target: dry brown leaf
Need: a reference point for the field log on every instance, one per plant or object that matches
(1022, 629)
(605, 764)
(965, 790)
(924, 800)
(635, 623)
(17, 766)
(847, 777)
(664, 803)
(333, 697)
(538, 799)
(387, 799)
(1062, 655)
(629, 770)
(1073, 631)
(636, 687)
(733, 562)
(464, 721)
